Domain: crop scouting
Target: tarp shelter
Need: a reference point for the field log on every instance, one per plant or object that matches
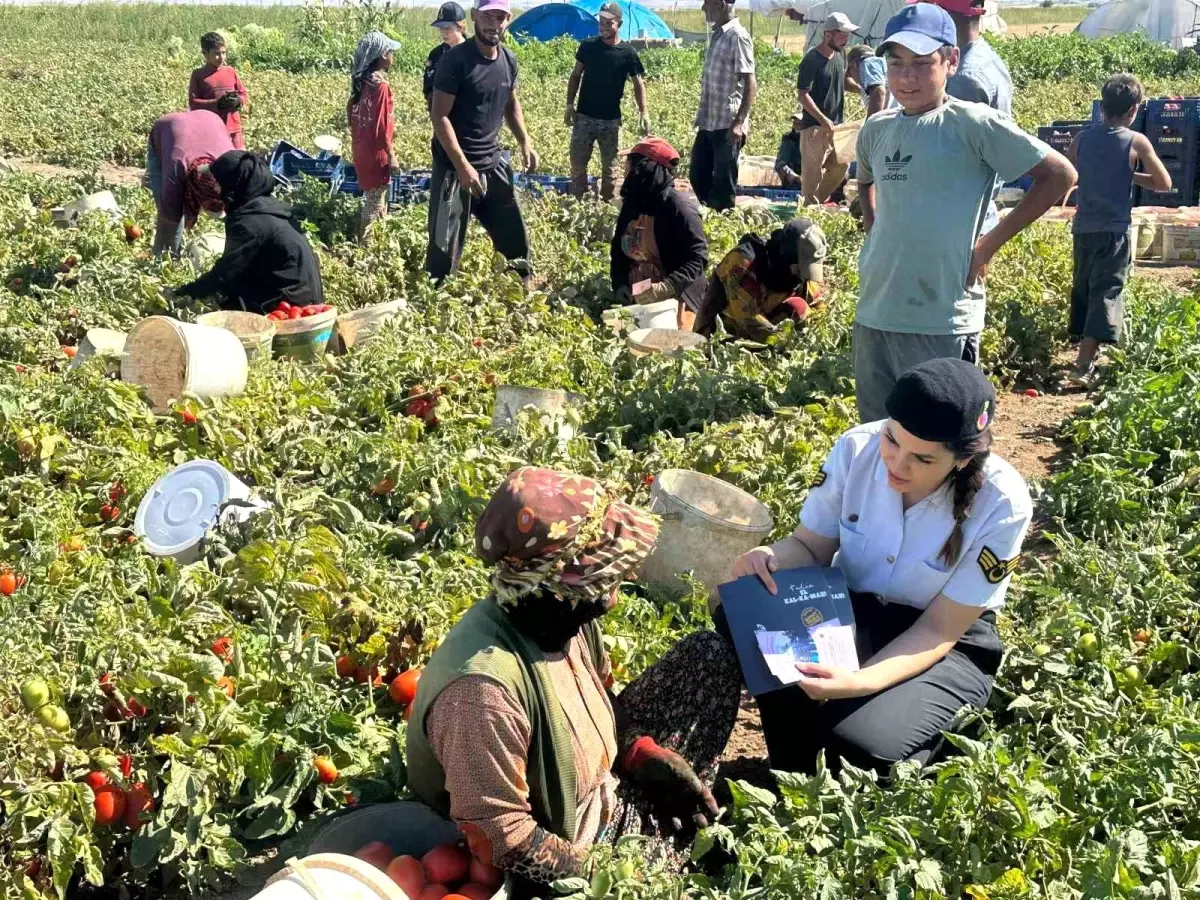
(1173, 22)
(871, 16)
(553, 20)
(637, 21)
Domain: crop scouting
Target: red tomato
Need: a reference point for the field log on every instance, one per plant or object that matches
(295, 313)
(486, 875)
(283, 307)
(136, 709)
(406, 871)
(434, 892)
(346, 666)
(472, 891)
(69, 351)
(228, 685)
(446, 864)
(403, 689)
(106, 685)
(109, 805)
(276, 316)
(377, 853)
(188, 417)
(1033, 392)
(109, 513)
(310, 311)
(95, 780)
(8, 583)
(126, 765)
(138, 800)
(326, 771)
(223, 647)
(117, 492)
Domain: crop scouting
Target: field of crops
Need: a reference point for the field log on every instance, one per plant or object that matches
(213, 685)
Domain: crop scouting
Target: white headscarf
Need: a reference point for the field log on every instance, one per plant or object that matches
(373, 45)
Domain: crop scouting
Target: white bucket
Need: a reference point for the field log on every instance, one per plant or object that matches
(204, 249)
(648, 341)
(170, 358)
(707, 524)
(356, 327)
(185, 503)
(102, 201)
(330, 876)
(103, 342)
(664, 314)
(511, 399)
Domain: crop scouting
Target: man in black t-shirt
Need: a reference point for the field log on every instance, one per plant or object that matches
(451, 22)
(821, 90)
(603, 64)
(474, 93)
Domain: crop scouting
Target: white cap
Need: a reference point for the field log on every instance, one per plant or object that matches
(840, 22)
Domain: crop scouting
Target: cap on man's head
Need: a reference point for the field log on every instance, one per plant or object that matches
(611, 10)
(811, 249)
(839, 22)
(490, 5)
(968, 8)
(656, 149)
(449, 14)
(948, 401)
(922, 28)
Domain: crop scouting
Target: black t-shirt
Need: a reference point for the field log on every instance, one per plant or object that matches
(825, 81)
(431, 64)
(481, 88)
(605, 70)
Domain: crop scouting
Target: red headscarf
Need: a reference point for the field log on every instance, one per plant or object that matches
(201, 192)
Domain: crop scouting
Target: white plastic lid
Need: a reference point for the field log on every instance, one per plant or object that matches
(182, 505)
(328, 143)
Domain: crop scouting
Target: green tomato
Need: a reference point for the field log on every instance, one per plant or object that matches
(625, 870)
(1130, 678)
(1089, 646)
(35, 694)
(1042, 650)
(54, 718)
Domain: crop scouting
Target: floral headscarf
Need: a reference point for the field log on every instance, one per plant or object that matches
(371, 47)
(561, 532)
(201, 192)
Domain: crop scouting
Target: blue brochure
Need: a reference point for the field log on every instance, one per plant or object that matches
(809, 620)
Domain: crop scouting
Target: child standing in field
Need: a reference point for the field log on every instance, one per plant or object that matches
(215, 86)
(926, 171)
(1106, 154)
(372, 123)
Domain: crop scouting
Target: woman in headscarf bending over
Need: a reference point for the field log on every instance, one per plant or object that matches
(658, 251)
(759, 284)
(267, 257)
(515, 733)
(180, 148)
(372, 124)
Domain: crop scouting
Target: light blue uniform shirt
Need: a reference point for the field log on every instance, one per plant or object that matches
(872, 72)
(886, 550)
(933, 177)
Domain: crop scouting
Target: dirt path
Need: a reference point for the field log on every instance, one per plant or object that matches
(119, 175)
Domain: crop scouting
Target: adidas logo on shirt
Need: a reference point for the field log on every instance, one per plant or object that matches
(895, 166)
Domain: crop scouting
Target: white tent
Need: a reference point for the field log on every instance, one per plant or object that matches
(871, 16)
(1174, 22)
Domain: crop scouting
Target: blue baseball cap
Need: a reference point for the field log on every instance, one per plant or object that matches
(922, 28)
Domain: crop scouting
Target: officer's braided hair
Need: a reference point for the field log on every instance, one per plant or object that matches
(965, 482)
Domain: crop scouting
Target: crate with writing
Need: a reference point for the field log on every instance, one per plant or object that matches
(1060, 135)
(1173, 127)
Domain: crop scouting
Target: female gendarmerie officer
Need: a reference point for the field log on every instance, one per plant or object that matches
(927, 526)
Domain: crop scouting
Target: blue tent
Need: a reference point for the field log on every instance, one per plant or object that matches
(552, 20)
(638, 21)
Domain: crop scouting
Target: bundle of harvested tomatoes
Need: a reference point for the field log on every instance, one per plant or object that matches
(285, 310)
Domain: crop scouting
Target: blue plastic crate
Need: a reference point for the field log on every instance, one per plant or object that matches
(1139, 123)
(324, 169)
(281, 150)
(1185, 189)
(1059, 137)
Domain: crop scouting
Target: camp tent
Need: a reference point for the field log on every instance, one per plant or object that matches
(871, 16)
(1173, 22)
(553, 20)
(578, 21)
(637, 21)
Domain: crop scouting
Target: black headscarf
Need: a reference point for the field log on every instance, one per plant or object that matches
(243, 177)
(646, 184)
(774, 257)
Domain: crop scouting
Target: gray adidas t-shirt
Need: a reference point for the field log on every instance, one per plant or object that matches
(933, 177)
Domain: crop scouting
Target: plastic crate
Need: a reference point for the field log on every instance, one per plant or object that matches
(1185, 189)
(284, 149)
(325, 169)
(1060, 137)
(1139, 122)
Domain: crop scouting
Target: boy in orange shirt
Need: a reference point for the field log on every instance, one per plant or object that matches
(215, 86)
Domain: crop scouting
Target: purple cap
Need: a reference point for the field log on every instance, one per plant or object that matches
(488, 5)
(922, 28)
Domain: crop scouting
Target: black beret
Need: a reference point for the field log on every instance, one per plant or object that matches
(944, 400)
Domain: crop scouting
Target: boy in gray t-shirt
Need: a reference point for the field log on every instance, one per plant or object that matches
(926, 172)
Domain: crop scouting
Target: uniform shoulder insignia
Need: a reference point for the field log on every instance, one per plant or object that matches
(995, 569)
(820, 479)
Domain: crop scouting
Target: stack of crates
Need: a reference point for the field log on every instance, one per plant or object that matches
(1173, 127)
(1060, 136)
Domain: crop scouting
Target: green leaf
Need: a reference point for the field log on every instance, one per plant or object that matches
(148, 844)
(61, 852)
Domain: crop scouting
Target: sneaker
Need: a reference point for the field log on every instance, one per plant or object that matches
(1082, 377)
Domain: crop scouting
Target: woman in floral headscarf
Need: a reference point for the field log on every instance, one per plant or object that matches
(515, 733)
(372, 123)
